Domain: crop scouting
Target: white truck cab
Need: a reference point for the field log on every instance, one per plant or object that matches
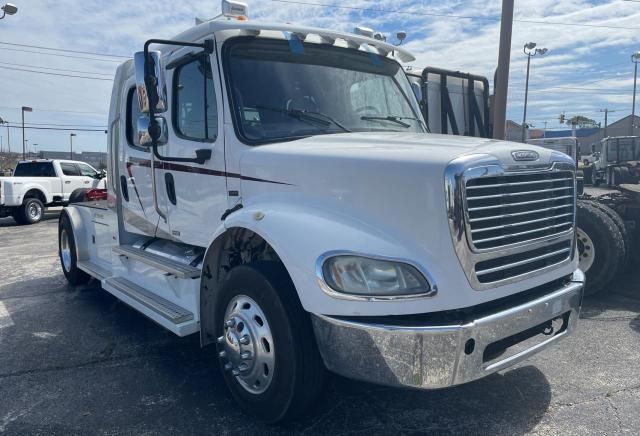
(275, 190)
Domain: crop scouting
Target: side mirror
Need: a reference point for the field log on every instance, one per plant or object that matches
(151, 87)
(145, 131)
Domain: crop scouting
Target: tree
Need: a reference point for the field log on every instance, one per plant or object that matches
(581, 121)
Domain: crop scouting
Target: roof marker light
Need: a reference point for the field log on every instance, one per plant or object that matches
(364, 31)
(235, 9)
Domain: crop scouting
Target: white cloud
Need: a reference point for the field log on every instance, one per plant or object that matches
(577, 56)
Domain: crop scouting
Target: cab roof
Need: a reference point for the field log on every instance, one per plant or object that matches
(228, 28)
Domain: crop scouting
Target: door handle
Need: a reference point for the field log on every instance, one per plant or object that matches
(86, 182)
(171, 188)
(67, 182)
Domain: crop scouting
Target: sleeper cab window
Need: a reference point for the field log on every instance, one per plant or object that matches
(195, 113)
(133, 113)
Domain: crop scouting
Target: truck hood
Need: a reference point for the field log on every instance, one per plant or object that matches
(386, 187)
(358, 149)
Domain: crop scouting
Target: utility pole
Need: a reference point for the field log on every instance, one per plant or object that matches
(635, 58)
(501, 84)
(606, 120)
(24, 144)
(71, 135)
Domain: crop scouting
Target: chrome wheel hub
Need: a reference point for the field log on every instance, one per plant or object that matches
(246, 349)
(586, 250)
(65, 250)
(34, 211)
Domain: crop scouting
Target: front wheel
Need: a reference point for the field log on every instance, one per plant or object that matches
(266, 348)
(67, 253)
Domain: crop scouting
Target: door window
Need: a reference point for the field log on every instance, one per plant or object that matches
(69, 169)
(195, 114)
(86, 170)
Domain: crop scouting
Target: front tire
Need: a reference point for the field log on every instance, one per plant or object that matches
(266, 348)
(67, 253)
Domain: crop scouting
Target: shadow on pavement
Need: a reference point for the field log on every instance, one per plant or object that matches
(623, 295)
(49, 215)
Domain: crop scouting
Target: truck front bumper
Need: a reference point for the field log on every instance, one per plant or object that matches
(441, 355)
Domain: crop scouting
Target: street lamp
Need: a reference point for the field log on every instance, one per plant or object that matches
(24, 148)
(71, 135)
(8, 9)
(530, 50)
(635, 58)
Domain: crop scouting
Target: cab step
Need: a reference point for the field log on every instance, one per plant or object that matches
(164, 312)
(180, 270)
(93, 269)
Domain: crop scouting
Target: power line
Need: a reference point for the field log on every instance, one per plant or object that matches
(55, 74)
(64, 50)
(57, 128)
(39, 109)
(57, 125)
(54, 69)
(62, 55)
(432, 14)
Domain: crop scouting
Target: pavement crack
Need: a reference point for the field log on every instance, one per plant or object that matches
(89, 363)
(42, 294)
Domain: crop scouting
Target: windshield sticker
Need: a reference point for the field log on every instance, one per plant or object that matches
(372, 55)
(295, 44)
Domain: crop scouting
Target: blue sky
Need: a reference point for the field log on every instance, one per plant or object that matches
(587, 68)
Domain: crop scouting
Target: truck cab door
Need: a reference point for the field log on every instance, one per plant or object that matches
(196, 194)
(134, 171)
(71, 178)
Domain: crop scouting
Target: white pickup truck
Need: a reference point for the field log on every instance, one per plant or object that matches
(275, 191)
(41, 183)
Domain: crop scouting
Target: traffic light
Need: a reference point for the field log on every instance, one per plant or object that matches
(561, 118)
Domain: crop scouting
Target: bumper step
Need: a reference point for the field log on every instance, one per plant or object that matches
(93, 269)
(180, 270)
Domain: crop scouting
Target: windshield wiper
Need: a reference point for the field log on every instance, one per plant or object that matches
(307, 115)
(393, 119)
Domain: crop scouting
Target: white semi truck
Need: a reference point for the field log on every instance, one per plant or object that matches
(275, 191)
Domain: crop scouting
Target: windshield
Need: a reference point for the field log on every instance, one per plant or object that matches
(282, 91)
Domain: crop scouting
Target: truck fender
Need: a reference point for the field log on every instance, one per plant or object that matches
(80, 232)
(44, 190)
(301, 233)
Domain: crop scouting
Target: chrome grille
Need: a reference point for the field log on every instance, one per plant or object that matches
(502, 268)
(512, 209)
(510, 223)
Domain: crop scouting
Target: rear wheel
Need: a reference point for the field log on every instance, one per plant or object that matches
(31, 211)
(266, 347)
(627, 237)
(67, 253)
(600, 247)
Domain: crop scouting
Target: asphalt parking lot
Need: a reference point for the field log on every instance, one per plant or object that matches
(77, 361)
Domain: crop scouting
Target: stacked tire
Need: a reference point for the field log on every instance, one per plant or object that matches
(603, 242)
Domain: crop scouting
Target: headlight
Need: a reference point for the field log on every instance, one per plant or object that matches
(367, 277)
